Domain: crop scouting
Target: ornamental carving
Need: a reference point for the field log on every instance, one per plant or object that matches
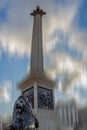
(45, 98)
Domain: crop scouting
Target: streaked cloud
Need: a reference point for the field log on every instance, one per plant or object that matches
(5, 91)
(16, 31)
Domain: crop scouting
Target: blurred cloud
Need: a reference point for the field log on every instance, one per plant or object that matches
(79, 93)
(15, 34)
(5, 91)
(68, 74)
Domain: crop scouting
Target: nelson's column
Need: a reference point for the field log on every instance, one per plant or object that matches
(38, 88)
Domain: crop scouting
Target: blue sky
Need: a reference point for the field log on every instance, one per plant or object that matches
(64, 42)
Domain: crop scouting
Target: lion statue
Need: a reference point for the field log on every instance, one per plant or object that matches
(23, 118)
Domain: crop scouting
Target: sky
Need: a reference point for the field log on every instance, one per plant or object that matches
(64, 44)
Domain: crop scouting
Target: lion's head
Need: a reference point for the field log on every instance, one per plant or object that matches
(22, 115)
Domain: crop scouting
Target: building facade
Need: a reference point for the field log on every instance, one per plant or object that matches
(82, 119)
(68, 113)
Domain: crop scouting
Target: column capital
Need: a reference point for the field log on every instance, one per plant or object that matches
(38, 10)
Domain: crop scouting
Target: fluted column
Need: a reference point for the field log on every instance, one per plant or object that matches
(37, 42)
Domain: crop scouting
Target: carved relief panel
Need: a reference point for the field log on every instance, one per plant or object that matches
(29, 94)
(45, 98)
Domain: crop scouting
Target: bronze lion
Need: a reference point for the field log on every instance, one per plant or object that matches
(23, 118)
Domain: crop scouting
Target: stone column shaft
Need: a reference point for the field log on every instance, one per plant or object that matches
(37, 45)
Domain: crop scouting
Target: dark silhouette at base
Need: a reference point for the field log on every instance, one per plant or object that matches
(23, 118)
